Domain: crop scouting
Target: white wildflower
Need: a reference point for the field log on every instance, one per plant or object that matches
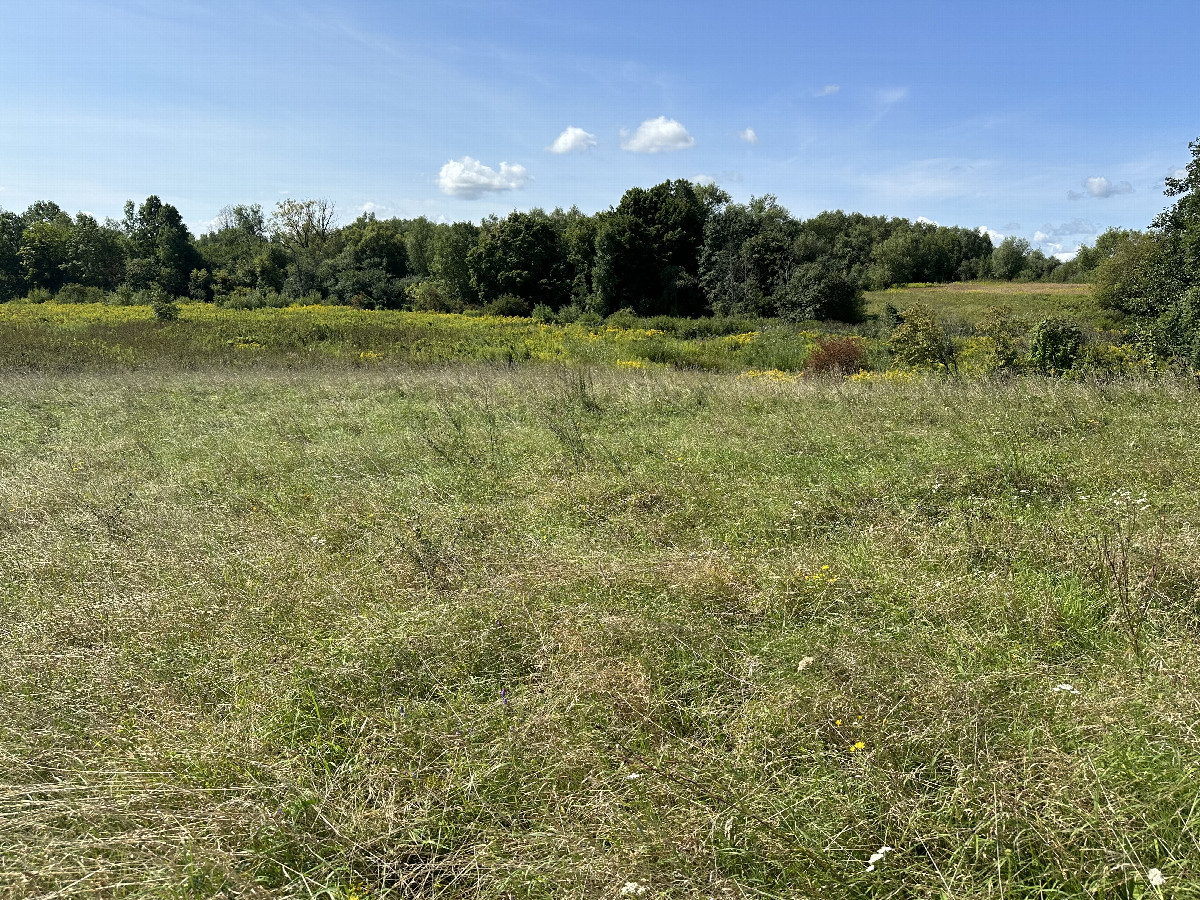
(633, 776)
(805, 663)
(877, 856)
(1156, 878)
(1065, 688)
(632, 889)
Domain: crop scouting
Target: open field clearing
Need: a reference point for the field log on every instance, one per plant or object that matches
(494, 631)
(964, 303)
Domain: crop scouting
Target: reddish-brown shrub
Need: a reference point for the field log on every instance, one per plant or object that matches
(837, 356)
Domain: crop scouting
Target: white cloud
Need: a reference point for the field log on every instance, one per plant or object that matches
(748, 136)
(572, 140)
(1068, 256)
(469, 178)
(702, 179)
(657, 135)
(893, 95)
(1173, 173)
(921, 220)
(1100, 188)
(827, 91)
(370, 207)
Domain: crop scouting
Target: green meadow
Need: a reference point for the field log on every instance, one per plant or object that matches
(290, 613)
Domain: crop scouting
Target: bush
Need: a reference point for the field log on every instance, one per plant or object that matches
(1055, 345)
(1001, 334)
(920, 341)
(623, 318)
(819, 291)
(79, 293)
(1140, 277)
(39, 295)
(838, 356)
(507, 305)
(542, 314)
(163, 305)
(431, 296)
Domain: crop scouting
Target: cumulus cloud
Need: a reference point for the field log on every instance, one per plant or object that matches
(921, 220)
(469, 178)
(748, 136)
(827, 91)
(702, 179)
(572, 140)
(1100, 188)
(1178, 174)
(656, 136)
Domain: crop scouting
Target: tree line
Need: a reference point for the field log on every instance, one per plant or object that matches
(674, 249)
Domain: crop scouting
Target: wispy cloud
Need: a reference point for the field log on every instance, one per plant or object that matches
(702, 179)
(828, 91)
(749, 136)
(893, 95)
(657, 136)
(469, 178)
(572, 140)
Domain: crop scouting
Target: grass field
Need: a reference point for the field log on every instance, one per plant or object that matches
(962, 304)
(481, 630)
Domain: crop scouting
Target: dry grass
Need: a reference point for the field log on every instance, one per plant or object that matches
(478, 632)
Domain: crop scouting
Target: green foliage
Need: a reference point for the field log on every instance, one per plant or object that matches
(161, 251)
(1002, 334)
(79, 293)
(817, 291)
(920, 341)
(522, 256)
(1055, 345)
(1009, 258)
(508, 305)
(163, 305)
(431, 296)
(1141, 276)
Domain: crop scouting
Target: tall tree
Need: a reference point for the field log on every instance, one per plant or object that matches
(521, 255)
(161, 251)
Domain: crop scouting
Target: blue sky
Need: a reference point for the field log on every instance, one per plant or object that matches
(1051, 121)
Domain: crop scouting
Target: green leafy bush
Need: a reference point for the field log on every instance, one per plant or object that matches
(1055, 345)
(920, 342)
(507, 305)
(79, 293)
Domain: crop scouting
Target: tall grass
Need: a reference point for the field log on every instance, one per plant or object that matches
(476, 631)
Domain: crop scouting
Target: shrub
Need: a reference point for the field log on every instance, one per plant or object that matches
(569, 313)
(920, 341)
(507, 305)
(163, 304)
(1001, 334)
(79, 293)
(623, 318)
(39, 295)
(1055, 345)
(431, 296)
(838, 356)
(542, 314)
